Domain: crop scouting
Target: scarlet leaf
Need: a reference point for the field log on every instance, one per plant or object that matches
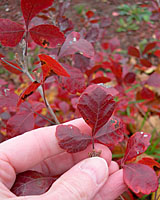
(140, 178)
(10, 67)
(96, 106)
(32, 7)
(145, 62)
(133, 51)
(50, 66)
(157, 53)
(32, 183)
(147, 93)
(28, 91)
(150, 162)
(74, 44)
(47, 35)
(89, 13)
(75, 83)
(111, 133)
(149, 47)
(137, 144)
(101, 79)
(71, 139)
(11, 33)
(129, 77)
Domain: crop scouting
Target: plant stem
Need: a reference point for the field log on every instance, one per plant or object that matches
(42, 95)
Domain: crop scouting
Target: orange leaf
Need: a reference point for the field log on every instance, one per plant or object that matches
(28, 91)
(50, 66)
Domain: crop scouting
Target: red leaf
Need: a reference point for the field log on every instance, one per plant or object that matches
(111, 133)
(101, 79)
(137, 144)
(76, 82)
(149, 47)
(129, 77)
(11, 33)
(140, 178)
(20, 123)
(50, 66)
(89, 13)
(28, 91)
(157, 53)
(145, 62)
(81, 62)
(71, 139)
(114, 43)
(147, 93)
(47, 35)
(133, 51)
(154, 80)
(30, 8)
(8, 99)
(74, 44)
(32, 183)
(10, 67)
(150, 162)
(96, 106)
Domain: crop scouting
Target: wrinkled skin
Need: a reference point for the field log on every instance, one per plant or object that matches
(83, 179)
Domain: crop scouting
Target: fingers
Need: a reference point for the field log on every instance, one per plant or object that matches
(113, 187)
(82, 181)
(64, 161)
(27, 150)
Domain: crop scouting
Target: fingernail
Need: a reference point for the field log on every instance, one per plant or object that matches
(97, 169)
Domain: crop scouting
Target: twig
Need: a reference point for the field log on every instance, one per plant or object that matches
(149, 122)
(43, 117)
(41, 93)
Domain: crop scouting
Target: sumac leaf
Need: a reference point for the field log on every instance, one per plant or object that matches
(147, 93)
(76, 82)
(74, 44)
(111, 133)
(154, 80)
(129, 77)
(145, 62)
(137, 144)
(50, 66)
(10, 67)
(32, 183)
(11, 33)
(96, 106)
(140, 178)
(30, 8)
(20, 123)
(101, 79)
(150, 162)
(28, 91)
(157, 53)
(133, 51)
(8, 99)
(149, 47)
(71, 139)
(47, 35)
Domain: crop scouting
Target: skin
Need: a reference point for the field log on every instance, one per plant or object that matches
(83, 178)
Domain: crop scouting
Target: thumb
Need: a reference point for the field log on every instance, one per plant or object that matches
(81, 182)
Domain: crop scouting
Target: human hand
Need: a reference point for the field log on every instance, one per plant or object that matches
(91, 179)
